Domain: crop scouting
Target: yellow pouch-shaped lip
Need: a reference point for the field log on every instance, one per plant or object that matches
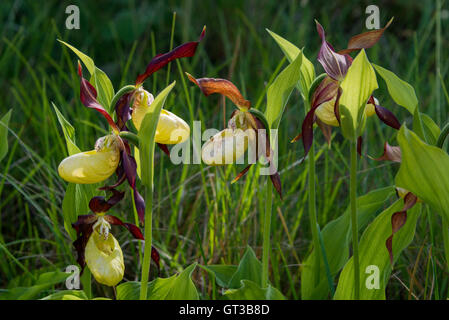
(227, 146)
(90, 166)
(104, 257)
(171, 129)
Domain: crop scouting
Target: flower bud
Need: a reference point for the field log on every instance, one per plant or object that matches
(171, 129)
(227, 146)
(370, 108)
(92, 166)
(104, 258)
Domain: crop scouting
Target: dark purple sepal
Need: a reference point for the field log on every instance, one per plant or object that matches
(387, 117)
(183, 51)
(336, 65)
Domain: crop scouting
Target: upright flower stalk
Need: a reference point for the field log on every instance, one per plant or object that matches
(250, 129)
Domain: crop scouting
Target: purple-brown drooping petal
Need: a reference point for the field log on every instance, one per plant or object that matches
(98, 204)
(225, 87)
(398, 220)
(326, 90)
(123, 110)
(391, 153)
(387, 117)
(130, 168)
(88, 96)
(336, 65)
(183, 51)
(164, 148)
(83, 227)
(326, 130)
(133, 229)
(365, 40)
(359, 145)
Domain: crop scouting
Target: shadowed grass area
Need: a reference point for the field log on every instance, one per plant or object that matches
(198, 214)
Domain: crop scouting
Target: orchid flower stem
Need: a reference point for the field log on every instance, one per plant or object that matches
(312, 213)
(266, 234)
(147, 231)
(119, 94)
(355, 236)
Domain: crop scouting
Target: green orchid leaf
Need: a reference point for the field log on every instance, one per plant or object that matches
(177, 287)
(104, 87)
(375, 266)
(250, 268)
(400, 91)
(147, 134)
(337, 237)
(357, 86)
(307, 74)
(223, 273)
(68, 130)
(252, 291)
(99, 79)
(424, 171)
(4, 122)
(425, 127)
(44, 282)
(280, 90)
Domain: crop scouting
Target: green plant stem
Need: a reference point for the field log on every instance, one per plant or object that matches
(86, 281)
(119, 94)
(355, 236)
(312, 212)
(148, 230)
(266, 234)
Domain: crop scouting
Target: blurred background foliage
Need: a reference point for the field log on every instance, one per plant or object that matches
(199, 215)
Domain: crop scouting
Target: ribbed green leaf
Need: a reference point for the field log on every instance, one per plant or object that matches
(336, 237)
(374, 254)
(251, 291)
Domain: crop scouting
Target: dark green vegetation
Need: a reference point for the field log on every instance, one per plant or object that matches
(198, 215)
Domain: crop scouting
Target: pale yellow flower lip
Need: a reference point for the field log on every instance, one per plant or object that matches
(227, 146)
(104, 257)
(92, 166)
(171, 129)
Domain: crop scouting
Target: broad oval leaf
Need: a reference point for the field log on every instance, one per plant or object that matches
(374, 256)
(400, 91)
(291, 52)
(424, 171)
(251, 291)
(147, 134)
(336, 238)
(279, 92)
(358, 85)
(177, 287)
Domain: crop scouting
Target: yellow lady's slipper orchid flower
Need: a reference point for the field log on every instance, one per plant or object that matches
(104, 258)
(92, 166)
(325, 112)
(227, 146)
(171, 129)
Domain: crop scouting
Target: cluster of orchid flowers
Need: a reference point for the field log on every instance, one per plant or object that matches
(247, 130)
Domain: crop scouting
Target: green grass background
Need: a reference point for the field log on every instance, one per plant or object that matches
(199, 216)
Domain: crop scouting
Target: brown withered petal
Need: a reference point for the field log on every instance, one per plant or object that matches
(225, 87)
(88, 96)
(98, 204)
(326, 130)
(183, 51)
(241, 174)
(365, 40)
(391, 153)
(274, 177)
(398, 220)
(387, 117)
